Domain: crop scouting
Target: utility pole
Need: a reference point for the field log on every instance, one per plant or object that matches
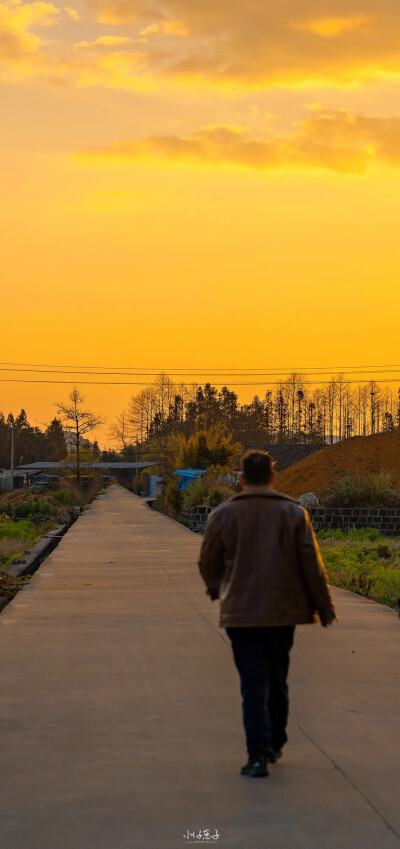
(12, 452)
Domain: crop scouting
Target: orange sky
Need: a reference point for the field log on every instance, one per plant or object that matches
(193, 185)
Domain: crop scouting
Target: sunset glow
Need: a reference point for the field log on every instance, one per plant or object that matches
(196, 185)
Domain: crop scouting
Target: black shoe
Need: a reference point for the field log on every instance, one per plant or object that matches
(272, 757)
(256, 767)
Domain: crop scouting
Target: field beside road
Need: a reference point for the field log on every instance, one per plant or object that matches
(363, 562)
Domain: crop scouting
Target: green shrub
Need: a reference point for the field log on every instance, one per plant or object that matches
(215, 498)
(337, 535)
(45, 508)
(354, 535)
(373, 489)
(174, 500)
(7, 509)
(210, 488)
(66, 497)
(208, 448)
(368, 571)
(22, 511)
(159, 504)
(364, 535)
(24, 529)
(197, 492)
(218, 495)
(29, 509)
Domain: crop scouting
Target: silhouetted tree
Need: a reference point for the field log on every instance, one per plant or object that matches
(55, 441)
(80, 421)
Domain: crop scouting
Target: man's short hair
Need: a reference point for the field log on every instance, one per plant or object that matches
(257, 467)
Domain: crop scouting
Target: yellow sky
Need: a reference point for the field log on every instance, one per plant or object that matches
(197, 185)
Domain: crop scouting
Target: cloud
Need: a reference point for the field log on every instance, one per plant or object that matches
(324, 140)
(166, 28)
(20, 49)
(120, 69)
(104, 42)
(262, 44)
(331, 27)
(150, 29)
(174, 28)
(72, 13)
(227, 44)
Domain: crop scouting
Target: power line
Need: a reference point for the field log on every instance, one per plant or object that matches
(152, 370)
(143, 383)
(227, 374)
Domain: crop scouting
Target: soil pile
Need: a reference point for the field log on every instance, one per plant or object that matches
(21, 496)
(321, 471)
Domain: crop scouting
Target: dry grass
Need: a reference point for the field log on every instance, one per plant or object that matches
(9, 547)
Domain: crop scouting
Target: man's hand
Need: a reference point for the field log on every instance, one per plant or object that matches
(327, 618)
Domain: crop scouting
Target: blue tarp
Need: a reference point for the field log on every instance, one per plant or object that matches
(187, 476)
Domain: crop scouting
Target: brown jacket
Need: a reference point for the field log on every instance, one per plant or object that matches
(260, 558)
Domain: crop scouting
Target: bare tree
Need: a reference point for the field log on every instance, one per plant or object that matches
(300, 399)
(373, 393)
(164, 387)
(341, 392)
(364, 399)
(121, 430)
(141, 411)
(79, 420)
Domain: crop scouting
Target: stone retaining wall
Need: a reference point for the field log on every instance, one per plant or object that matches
(384, 519)
(196, 517)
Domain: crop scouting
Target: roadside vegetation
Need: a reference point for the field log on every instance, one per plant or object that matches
(371, 490)
(16, 537)
(364, 562)
(25, 517)
(211, 450)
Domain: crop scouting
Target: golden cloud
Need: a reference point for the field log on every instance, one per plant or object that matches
(174, 28)
(20, 49)
(227, 44)
(256, 45)
(120, 69)
(73, 13)
(150, 29)
(104, 42)
(324, 140)
(331, 27)
(23, 52)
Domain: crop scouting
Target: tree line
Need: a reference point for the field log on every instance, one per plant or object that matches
(31, 444)
(292, 411)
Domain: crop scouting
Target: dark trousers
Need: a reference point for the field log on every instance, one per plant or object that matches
(262, 659)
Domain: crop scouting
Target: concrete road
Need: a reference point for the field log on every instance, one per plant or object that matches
(120, 710)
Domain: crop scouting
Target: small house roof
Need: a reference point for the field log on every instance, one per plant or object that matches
(47, 464)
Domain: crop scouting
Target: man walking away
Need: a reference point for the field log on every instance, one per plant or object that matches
(259, 556)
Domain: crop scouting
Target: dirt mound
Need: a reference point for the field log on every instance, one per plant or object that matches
(321, 471)
(21, 496)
